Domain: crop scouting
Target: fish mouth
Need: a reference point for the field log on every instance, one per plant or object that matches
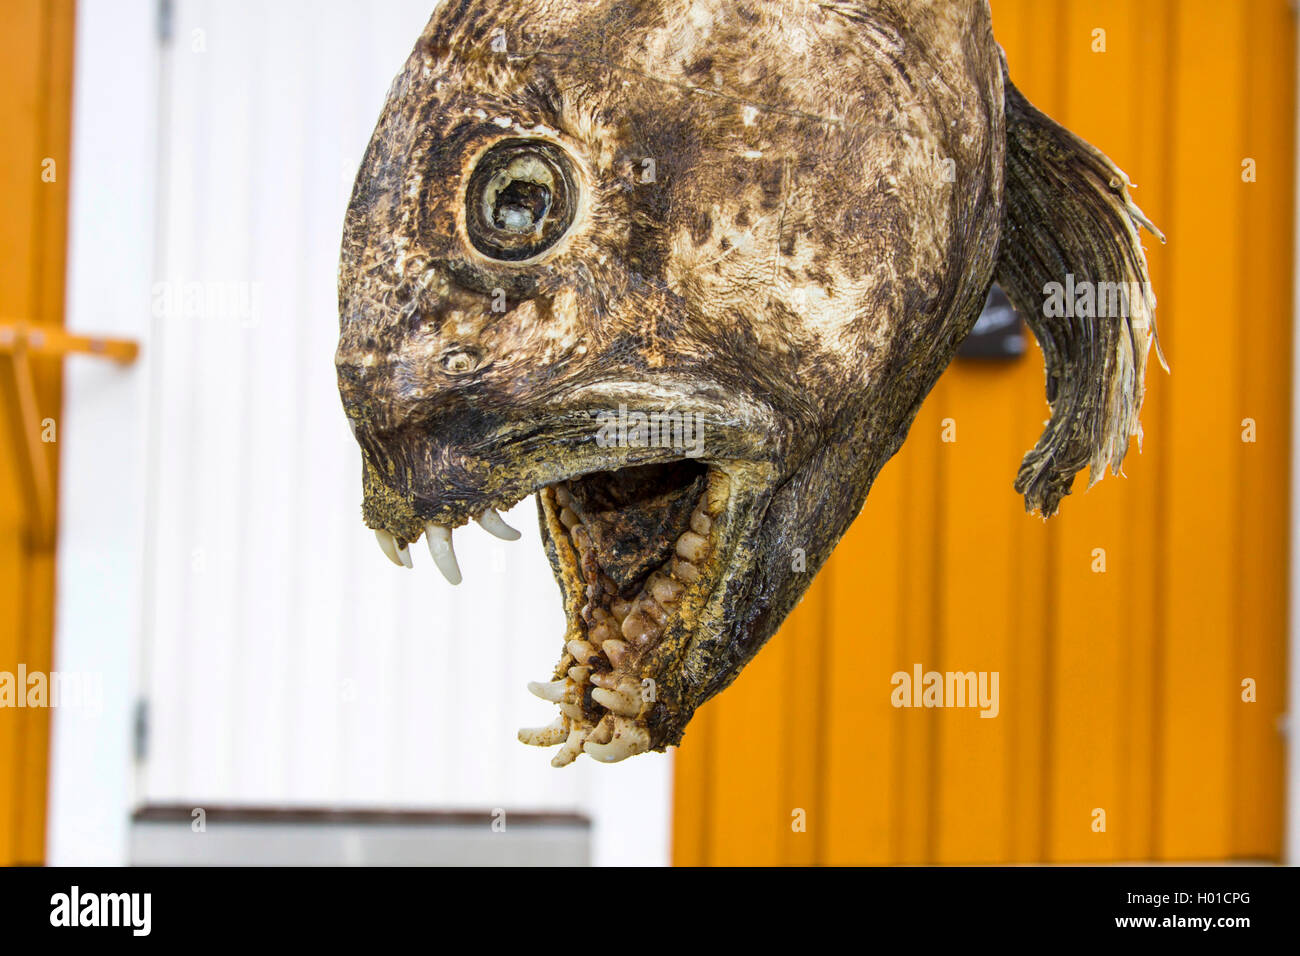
(666, 554)
(640, 554)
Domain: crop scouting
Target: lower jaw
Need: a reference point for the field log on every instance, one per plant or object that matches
(605, 691)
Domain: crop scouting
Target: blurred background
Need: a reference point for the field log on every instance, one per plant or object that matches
(180, 529)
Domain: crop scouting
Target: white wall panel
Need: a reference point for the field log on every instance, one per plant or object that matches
(284, 659)
(103, 433)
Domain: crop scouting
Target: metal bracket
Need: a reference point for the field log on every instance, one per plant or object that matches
(19, 341)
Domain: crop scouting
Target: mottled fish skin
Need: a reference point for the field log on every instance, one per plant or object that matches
(786, 217)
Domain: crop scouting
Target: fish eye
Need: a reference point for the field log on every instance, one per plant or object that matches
(520, 200)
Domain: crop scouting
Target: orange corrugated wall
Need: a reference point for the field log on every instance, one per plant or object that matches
(1120, 691)
(36, 50)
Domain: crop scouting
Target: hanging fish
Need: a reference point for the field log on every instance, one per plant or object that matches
(686, 270)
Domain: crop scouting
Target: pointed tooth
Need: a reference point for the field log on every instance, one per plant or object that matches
(553, 691)
(717, 494)
(388, 544)
(629, 739)
(653, 611)
(615, 650)
(404, 554)
(572, 747)
(604, 731)
(619, 701)
(444, 557)
(612, 752)
(582, 651)
(548, 736)
(492, 523)
(572, 711)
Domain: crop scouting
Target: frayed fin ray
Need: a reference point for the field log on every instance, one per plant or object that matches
(1068, 212)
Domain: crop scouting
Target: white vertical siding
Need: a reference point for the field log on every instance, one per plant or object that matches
(285, 660)
(102, 435)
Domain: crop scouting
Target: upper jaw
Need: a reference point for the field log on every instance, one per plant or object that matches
(443, 473)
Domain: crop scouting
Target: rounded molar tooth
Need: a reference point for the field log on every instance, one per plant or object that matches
(621, 701)
(493, 524)
(440, 549)
(620, 609)
(553, 691)
(638, 628)
(693, 547)
(572, 747)
(701, 523)
(685, 571)
(628, 740)
(562, 496)
(548, 736)
(665, 589)
(388, 544)
(568, 518)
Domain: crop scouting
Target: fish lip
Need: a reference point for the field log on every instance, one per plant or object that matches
(520, 458)
(453, 512)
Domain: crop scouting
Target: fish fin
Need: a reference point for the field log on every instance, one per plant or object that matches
(1067, 212)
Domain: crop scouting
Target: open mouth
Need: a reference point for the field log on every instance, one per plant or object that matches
(639, 553)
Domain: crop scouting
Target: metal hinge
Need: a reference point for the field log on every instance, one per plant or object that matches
(166, 19)
(140, 730)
